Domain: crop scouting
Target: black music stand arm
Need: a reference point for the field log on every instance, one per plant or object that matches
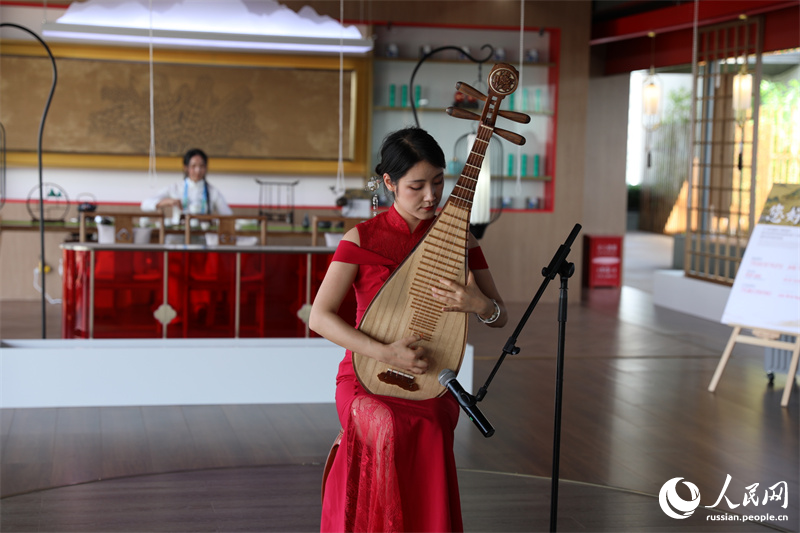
(558, 265)
(549, 273)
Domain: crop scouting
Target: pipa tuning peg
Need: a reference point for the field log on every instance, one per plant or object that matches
(458, 112)
(516, 116)
(470, 91)
(510, 136)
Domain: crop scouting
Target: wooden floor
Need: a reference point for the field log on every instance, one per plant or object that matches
(286, 498)
(636, 413)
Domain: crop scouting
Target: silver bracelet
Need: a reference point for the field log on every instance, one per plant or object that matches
(494, 316)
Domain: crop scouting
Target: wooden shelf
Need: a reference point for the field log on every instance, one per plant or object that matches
(408, 109)
(524, 178)
(444, 110)
(537, 97)
(490, 62)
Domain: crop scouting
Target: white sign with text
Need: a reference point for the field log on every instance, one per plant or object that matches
(766, 291)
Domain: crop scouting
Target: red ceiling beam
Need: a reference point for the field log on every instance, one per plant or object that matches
(681, 17)
(674, 46)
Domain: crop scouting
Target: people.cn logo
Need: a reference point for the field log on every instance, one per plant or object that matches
(673, 505)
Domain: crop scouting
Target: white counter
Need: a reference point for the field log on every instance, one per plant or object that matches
(127, 372)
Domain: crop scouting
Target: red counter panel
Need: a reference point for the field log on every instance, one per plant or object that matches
(113, 293)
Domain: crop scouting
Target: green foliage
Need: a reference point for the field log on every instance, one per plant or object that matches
(679, 105)
(779, 107)
(777, 97)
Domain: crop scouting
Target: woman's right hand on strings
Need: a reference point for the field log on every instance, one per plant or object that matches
(404, 355)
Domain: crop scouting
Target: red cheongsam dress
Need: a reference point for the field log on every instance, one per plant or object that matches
(394, 469)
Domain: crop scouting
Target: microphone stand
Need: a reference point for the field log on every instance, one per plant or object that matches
(558, 265)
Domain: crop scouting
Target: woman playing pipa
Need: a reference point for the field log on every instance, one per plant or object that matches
(394, 469)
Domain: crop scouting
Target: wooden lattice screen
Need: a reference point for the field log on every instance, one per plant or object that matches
(721, 199)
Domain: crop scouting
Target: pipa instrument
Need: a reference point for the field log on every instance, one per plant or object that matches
(405, 305)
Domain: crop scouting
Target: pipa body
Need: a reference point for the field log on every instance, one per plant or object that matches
(405, 305)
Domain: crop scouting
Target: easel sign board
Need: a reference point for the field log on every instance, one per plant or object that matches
(766, 291)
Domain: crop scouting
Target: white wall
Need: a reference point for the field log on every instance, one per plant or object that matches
(131, 187)
(605, 191)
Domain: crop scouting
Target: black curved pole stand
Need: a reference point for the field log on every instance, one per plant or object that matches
(41, 184)
(558, 265)
(425, 57)
(476, 229)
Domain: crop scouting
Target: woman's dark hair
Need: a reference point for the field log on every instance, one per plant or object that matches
(193, 152)
(404, 148)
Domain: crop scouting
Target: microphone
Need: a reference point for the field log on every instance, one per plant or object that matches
(467, 401)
